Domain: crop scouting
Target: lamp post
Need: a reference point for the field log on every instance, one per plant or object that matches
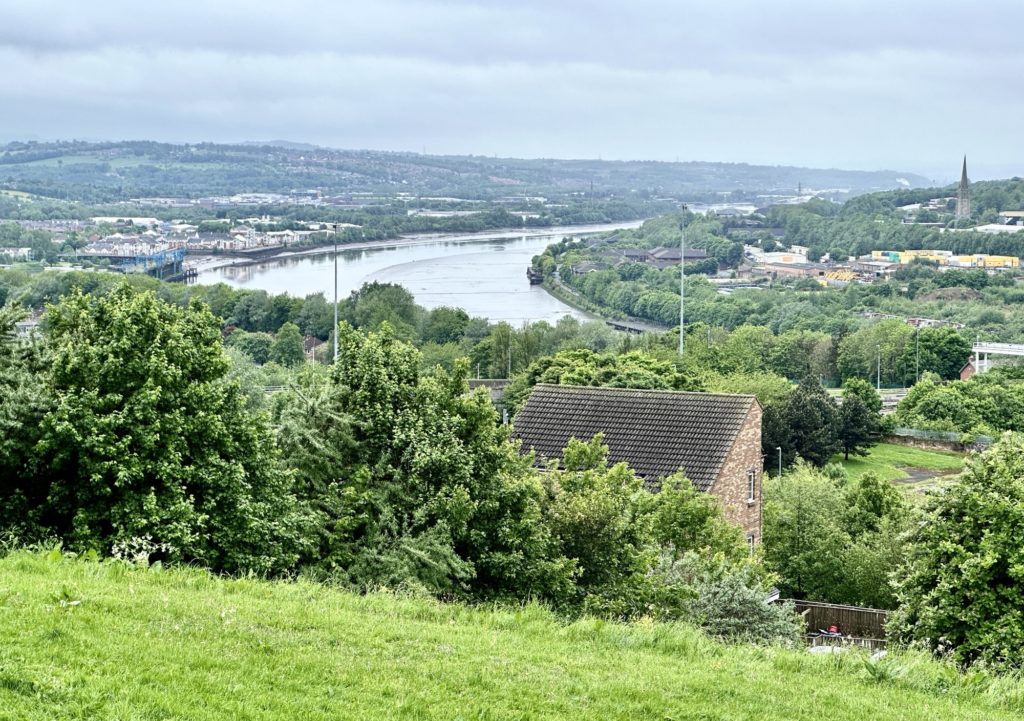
(335, 227)
(878, 370)
(682, 288)
(917, 352)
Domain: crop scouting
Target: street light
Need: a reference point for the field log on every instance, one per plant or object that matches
(917, 350)
(682, 289)
(335, 227)
(878, 378)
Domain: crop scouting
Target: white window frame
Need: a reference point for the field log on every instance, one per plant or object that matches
(751, 486)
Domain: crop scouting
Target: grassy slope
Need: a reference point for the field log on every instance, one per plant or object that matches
(104, 641)
(888, 461)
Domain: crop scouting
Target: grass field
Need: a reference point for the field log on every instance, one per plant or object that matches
(902, 463)
(88, 640)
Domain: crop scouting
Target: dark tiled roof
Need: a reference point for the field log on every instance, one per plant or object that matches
(655, 432)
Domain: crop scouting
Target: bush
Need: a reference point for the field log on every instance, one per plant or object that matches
(728, 601)
(960, 590)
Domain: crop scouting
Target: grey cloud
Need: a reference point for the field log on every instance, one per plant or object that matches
(866, 84)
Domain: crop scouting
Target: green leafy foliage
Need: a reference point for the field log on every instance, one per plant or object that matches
(583, 367)
(23, 404)
(419, 484)
(145, 439)
(811, 423)
(832, 540)
(959, 590)
(985, 403)
(860, 426)
(287, 348)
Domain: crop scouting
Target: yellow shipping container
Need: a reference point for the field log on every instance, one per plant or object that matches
(1001, 261)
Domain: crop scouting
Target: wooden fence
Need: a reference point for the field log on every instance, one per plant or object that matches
(860, 626)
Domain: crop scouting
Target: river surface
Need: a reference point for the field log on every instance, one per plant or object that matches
(485, 274)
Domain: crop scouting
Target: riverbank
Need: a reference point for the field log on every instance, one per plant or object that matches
(212, 261)
(553, 285)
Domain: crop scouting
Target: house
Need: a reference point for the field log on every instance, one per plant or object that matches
(715, 438)
(665, 257)
(629, 255)
(968, 370)
(588, 267)
(310, 343)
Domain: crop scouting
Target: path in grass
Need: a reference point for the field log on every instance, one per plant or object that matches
(904, 464)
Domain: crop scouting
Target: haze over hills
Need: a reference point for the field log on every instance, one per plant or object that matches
(108, 171)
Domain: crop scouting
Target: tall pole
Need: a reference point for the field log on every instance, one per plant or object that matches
(917, 361)
(682, 289)
(335, 226)
(878, 371)
(779, 449)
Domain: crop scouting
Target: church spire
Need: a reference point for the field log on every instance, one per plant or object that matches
(963, 194)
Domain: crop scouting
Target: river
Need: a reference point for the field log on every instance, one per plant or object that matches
(484, 273)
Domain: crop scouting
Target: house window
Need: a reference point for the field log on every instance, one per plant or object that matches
(751, 486)
(750, 543)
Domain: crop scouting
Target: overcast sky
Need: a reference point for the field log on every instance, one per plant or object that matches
(899, 84)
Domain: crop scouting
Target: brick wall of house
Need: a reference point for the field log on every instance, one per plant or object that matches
(732, 487)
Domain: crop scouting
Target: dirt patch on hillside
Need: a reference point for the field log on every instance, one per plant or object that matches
(924, 479)
(957, 293)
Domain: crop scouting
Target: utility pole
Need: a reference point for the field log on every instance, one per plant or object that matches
(878, 371)
(917, 361)
(682, 290)
(335, 227)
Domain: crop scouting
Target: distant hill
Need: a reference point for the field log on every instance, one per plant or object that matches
(88, 639)
(287, 144)
(109, 171)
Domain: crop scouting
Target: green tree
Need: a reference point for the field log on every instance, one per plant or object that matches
(812, 420)
(941, 350)
(431, 492)
(287, 348)
(879, 347)
(255, 345)
(832, 540)
(634, 369)
(146, 439)
(316, 316)
(601, 518)
(960, 590)
(804, 539)
(252, 312)
(23, 404)
(445, 325)
(860, 426)
(376, 303)
(865, 391)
